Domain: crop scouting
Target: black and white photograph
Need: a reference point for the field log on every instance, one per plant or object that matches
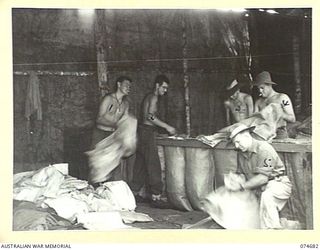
(179, 119)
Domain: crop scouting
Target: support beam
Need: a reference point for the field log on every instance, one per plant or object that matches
(102, 43)
(185, 74)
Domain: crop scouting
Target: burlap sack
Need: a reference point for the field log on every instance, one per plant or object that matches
(199, 174)
(175, 177)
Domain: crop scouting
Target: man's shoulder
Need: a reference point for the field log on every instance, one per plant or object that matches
(265, 147)
(246, 96)
(151, 97)
(279, 96)
(107, 97)
(227, 102)
(260, 100)
(126, 101)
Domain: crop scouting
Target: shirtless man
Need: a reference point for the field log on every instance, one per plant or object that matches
(269, 95)
(112, 108)
(147, 168)
(239, 105)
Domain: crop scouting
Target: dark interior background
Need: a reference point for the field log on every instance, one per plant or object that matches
(61, 46)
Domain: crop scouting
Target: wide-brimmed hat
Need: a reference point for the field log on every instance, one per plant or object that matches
(263, 77)
(232, 88)
(239, 129)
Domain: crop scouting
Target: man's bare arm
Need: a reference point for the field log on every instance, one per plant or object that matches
(249, 103)
(256, 105)
(288, 112)
(256, 181)
(105, 116)
(151, 116)
(227, 109)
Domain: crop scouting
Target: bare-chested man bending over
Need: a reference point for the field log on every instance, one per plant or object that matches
(269, 95)
(239, 105)
(147, 168)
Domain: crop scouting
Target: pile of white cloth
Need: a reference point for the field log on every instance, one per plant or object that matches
(75, 199)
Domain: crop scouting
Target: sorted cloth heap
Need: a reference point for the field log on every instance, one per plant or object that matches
(54, 200)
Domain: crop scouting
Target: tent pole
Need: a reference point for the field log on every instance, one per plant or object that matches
(101, 43)
(185, 75)
(297, 75)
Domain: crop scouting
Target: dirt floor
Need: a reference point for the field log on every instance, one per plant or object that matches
(171, 218)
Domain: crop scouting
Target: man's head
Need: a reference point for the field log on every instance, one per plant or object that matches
(264, 84)
(124, 84)
(241, 137)
(233, 90)
(161, 84)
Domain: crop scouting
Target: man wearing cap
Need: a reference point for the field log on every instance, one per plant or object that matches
(238, 104)
(264, 173)
(269, 95)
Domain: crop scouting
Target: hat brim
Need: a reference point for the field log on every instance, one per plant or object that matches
(264, 82)
(230, 92)
(250, 129)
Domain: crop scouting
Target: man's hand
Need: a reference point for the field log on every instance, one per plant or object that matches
(171, 130)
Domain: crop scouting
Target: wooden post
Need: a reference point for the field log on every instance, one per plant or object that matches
(102, 45)
(297, 75)
(305, 61)
(185, 74)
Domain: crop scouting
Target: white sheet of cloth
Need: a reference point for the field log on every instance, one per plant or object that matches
(107, 154)
(233, 209)
(111, 196)
(132, 216)
(71, 197)
(250, 213)
(265, 122)
(67, 207)
(34, 185)
(119, 194)
(102, 221)
(111, 220)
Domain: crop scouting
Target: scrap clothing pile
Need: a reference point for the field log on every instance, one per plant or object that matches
(56, 200)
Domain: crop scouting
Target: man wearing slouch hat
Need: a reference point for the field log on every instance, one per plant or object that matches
(268, 95)
(264, 173)
(239, 105)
